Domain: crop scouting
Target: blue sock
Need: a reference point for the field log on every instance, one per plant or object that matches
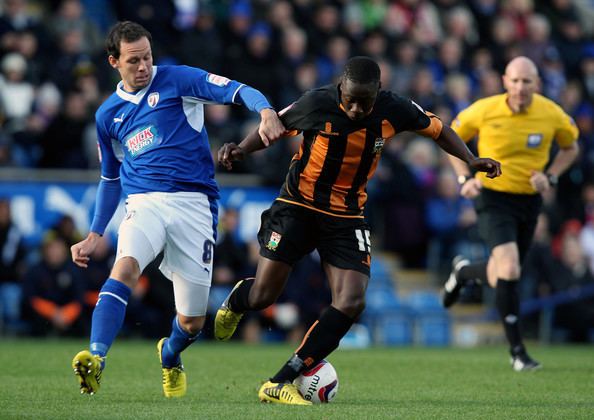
(177, 342)
(108, 315)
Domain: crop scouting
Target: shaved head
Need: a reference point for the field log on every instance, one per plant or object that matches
(521, 81)
(522, 65)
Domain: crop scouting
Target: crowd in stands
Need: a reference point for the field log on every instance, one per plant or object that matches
(442, 53)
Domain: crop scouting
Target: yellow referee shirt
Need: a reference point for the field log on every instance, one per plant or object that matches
(521, 142)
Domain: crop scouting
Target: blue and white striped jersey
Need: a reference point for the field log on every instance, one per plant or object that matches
(155, 139)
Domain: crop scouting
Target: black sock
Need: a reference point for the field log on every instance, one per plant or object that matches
(322, 339)
(476, 271)
(507, 301)
(238, 301)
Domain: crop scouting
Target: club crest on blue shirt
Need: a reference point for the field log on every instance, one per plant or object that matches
(534, 140)
(153, 99)
(378, 145)
(141, 140)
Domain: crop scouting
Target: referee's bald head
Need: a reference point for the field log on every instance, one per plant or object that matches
(522, 65)
(521, 82)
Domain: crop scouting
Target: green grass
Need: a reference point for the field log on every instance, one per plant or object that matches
(36, 382)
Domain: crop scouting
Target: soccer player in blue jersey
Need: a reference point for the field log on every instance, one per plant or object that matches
(154, 147)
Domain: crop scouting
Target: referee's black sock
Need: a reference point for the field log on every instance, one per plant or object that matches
(507, 301)
(322, 339)
(238, 301)
(476, 271)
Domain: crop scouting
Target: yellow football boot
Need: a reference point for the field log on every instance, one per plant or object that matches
(226, 320)
(281, 394)
(87, 368)
(174, 379)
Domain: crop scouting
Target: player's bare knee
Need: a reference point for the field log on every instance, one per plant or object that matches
(508, 270)
(127, 271)
(191, 324)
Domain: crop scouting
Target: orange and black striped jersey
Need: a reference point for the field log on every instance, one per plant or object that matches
(338, 155)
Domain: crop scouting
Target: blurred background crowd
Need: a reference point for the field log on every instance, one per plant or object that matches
(442, 53)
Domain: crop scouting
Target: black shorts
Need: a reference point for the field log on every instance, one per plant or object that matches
(504, 217)
(288, 232)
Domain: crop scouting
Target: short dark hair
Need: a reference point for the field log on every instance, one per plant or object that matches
(362, 69)
(126, 31)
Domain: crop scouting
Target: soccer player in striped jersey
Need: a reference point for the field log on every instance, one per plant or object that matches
(321, 204)
(154, 147)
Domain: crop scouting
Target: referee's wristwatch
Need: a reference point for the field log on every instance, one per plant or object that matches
(553, 180)
(462, 179)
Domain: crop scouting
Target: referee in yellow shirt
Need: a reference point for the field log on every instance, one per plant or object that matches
(516, 128)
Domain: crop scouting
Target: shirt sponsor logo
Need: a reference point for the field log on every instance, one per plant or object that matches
(153, 99)
(534, 140)
(275, 238)
(215, 79)
(141, 140)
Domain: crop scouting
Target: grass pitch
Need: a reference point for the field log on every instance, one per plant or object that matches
(36, 382)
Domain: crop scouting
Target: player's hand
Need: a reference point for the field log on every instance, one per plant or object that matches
(539, 181)
(228, 153)
(490, 166)
(80, 251)
(471, 188)
(271, 128)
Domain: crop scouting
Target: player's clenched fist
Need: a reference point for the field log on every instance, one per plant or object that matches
(228, 153)
(81, 250)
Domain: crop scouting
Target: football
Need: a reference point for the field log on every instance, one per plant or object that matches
(318, 384)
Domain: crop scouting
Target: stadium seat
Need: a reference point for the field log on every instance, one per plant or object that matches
(432, 321)
(394, 327)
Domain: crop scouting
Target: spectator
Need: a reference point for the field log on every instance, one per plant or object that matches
(71, 16)
(62, 143)
(202, 45)
(449, 218)
(538, 40)
(571, 273)
(16, 94)
(12, 266)
(54, 292)
(406, 66)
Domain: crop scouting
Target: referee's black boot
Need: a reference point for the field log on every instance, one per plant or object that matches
(521, 362)
(452, 287)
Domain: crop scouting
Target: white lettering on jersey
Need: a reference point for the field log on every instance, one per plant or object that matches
(141, 140)
(215, 79)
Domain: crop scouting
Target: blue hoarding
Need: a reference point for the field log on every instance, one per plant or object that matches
(37, 205)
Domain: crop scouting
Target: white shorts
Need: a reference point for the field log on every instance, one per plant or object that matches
(182, 224)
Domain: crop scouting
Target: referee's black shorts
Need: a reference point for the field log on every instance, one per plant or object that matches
(505, 217)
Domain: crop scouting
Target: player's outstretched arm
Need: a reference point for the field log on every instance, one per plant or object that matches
(449, 141)
(271, 128)
(230, 152)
